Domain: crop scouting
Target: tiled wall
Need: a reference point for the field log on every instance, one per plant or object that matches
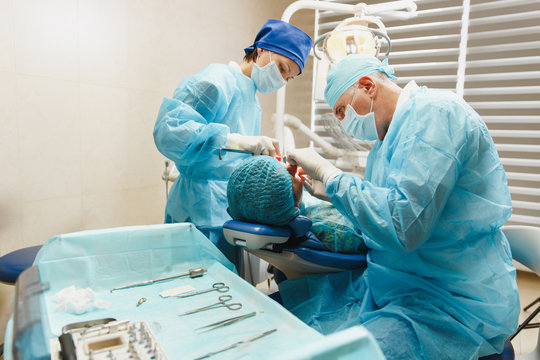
(81, 82)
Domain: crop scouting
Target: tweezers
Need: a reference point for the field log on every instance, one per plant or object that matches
(245, 341)
(226, 322)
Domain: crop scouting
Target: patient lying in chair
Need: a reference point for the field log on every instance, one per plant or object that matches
(262, 190)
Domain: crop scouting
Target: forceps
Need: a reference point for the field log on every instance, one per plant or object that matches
(225, 322)
(219, 287)
(245, 341)
(222, 302)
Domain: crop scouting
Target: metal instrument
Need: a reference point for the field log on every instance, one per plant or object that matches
(193, 273)
(219, 287)
(104, 339)
(221, 303)
(250, 339)
(233, 150)
(226, 322)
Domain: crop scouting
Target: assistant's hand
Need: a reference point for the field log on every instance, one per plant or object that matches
(258, 145)
(316, 188)
(317, 167)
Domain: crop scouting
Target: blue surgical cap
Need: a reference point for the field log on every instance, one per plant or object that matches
(284, 39)
(260, 191)
(346, 72)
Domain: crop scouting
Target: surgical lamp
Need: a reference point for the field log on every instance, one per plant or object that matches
(364, 33)
(353, 36)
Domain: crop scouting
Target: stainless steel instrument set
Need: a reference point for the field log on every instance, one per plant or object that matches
(224, 301)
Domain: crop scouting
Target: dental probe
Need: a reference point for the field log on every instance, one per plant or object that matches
(193, 273)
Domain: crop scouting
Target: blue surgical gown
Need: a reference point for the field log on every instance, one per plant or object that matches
(192, 127)
(439, 283)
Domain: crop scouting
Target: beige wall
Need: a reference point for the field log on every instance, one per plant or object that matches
(298, 98)
(80, 86)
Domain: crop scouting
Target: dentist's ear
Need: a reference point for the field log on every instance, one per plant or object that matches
(367, 84)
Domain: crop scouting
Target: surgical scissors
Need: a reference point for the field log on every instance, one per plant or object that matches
(219, 287)
(221, 303)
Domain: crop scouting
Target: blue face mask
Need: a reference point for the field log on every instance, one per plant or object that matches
(361, 127)
(268, 78)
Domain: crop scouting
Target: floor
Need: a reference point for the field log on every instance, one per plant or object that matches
(529, 290)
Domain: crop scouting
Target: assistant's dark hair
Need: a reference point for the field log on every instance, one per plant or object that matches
(251, 56)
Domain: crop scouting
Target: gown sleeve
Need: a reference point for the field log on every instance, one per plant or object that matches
(188, 129)
(400, 213)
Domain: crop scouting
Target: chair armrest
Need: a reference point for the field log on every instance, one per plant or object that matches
(525, 245)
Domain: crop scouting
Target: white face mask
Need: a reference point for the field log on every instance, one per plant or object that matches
(268, 78)
(361, 127)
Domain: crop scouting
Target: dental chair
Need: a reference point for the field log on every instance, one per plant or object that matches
(291, 248)
(15, 262)
(525, 246)
(272, 244)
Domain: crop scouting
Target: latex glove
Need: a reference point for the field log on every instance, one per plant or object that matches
(258, 145)
(317, 167)
(316, 188)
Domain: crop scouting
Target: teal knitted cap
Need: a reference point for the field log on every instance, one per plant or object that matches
(260, 191)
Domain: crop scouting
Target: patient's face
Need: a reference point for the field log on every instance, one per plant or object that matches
(297, 186)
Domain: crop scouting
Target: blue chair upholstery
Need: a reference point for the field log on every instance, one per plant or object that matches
(327, 258)
(507, 354)
(15, 262)
(307, 257)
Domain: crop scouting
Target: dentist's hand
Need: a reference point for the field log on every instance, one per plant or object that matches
(316, 188)
(317, 167)
(258, 145)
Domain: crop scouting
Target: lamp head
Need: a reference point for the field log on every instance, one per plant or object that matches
(354, 36)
